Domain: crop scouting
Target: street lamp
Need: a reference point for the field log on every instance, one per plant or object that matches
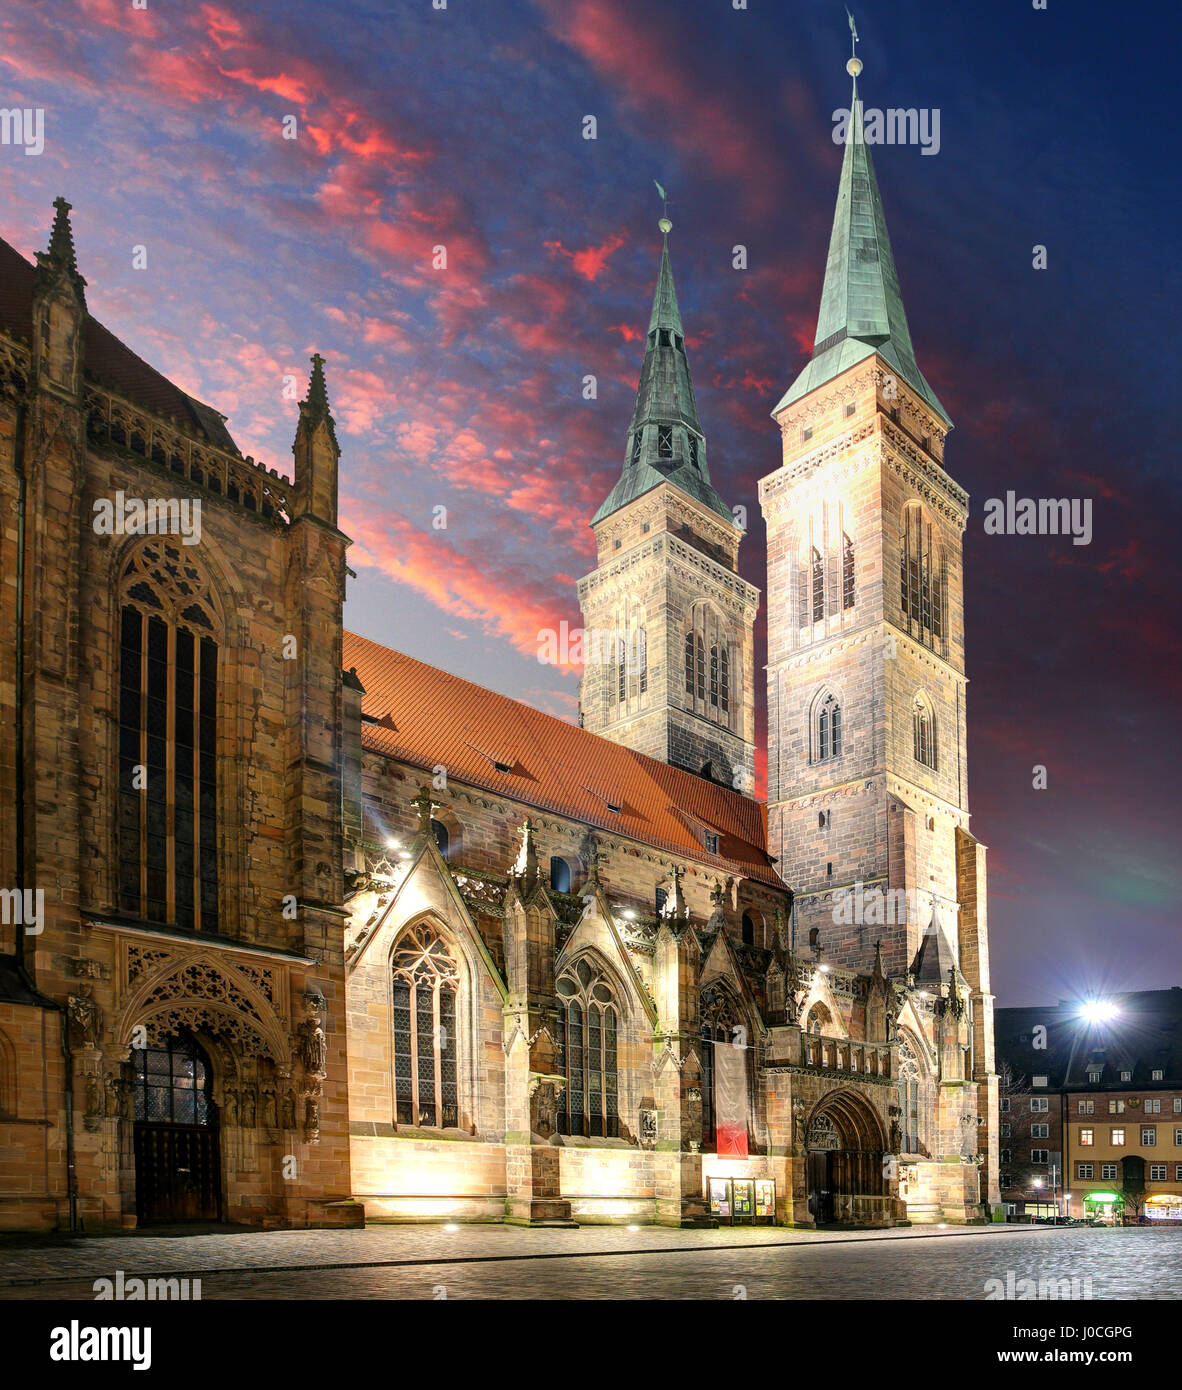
(1041, 1182)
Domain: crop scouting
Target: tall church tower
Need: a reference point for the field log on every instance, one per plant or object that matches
(867, 788)
(668, 648)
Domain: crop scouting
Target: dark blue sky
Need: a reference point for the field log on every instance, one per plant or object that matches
(462, 389)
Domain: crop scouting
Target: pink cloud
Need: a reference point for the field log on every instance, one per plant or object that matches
(590, 261)
(636, 58)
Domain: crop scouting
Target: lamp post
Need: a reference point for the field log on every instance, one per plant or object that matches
(1054, 1181)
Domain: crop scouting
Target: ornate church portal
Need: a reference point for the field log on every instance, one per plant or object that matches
(845, 1178)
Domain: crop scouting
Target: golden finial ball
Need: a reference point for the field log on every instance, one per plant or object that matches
(665, 225)
(854, 67)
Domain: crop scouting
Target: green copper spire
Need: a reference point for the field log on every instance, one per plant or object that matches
(665, 440)
(861, 305)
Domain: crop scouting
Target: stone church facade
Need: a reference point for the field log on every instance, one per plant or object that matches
(300, 931)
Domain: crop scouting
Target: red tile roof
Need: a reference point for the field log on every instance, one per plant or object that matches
(430, 717)
(107, 360)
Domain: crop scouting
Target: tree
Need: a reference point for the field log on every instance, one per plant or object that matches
(1019, 1174)
(1132, 1187)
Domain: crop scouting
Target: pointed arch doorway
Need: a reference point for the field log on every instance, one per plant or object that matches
(177, 1161)
(844, 1154)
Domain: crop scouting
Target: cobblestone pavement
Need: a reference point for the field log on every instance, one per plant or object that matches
(505, 1262)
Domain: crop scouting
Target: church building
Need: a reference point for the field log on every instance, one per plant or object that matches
(298, 930)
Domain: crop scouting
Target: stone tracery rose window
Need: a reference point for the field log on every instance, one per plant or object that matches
(425, 985)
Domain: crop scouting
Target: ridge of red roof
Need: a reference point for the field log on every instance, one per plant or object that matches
(107, 359)
(443, 719)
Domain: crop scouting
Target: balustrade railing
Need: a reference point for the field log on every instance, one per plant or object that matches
(113, 420)
(844, 1054)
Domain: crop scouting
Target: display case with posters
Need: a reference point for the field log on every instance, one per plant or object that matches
(742, 1201)
(720, 1199)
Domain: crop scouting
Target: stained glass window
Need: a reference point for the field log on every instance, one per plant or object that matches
(425, 982)
(588, 1036)
(167, 749)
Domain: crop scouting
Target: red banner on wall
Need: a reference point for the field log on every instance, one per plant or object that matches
(730, 1099)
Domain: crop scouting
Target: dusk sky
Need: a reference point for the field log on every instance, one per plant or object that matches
(462, 387)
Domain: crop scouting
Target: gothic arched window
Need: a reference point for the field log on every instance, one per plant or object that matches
(819, 1020)
(921, 577)
(910, 1142)
(924, 731)
(559, 874)
(425, 984)
(818, 585)
(442, 836)
(588, 1034)
(709, 683)
(637, 656)
(828, 731)
(168, 694)
(748, 930)
(847, 572)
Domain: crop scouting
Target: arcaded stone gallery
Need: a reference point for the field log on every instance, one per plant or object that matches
(299, 930)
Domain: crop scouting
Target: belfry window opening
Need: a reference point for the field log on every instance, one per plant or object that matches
(829, 729)
(921, 578)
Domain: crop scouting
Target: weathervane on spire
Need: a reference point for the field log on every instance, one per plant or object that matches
(665, 225)
(854, 66)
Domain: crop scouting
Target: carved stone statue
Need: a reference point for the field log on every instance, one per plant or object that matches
(287, 1112)
(311, 1119)
(799, 1110)
(545, 1108)
(313, 1041)
(231, 1106)
(248, 1104)
(269, 1120)
(86, 1018)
